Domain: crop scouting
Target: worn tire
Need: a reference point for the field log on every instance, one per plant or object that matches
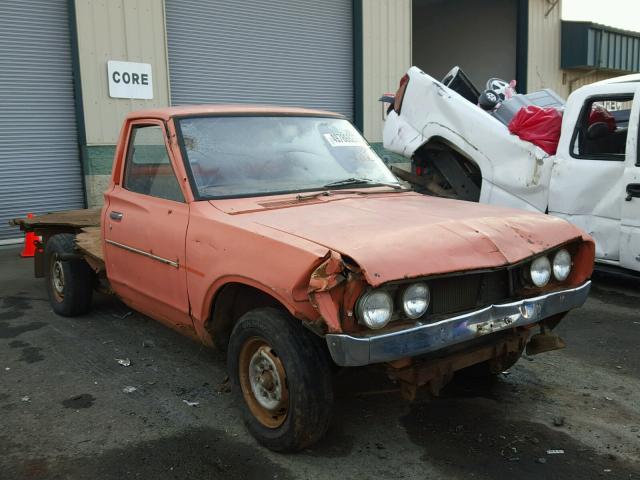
(73, 296)
(307, 372)
(488, 100)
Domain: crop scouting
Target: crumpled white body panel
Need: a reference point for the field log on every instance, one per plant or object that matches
(516, 173)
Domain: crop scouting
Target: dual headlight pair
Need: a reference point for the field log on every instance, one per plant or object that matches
(375, 308)
(542, 268)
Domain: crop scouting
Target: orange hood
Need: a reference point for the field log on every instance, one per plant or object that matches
(393, 236)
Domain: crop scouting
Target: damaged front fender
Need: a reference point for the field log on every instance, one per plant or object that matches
(333, 289)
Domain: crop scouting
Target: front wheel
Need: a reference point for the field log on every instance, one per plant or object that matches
(69, 282)
(284, 376)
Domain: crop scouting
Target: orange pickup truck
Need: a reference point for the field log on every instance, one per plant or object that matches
(279, 235)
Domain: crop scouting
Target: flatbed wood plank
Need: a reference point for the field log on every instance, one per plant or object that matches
(89, 242)
(88, 217)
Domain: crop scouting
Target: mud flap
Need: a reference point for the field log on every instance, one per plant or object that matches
(545, 341)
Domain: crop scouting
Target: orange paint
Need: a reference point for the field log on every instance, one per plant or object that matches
(316, 256)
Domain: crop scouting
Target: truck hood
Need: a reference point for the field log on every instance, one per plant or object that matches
(403, 235)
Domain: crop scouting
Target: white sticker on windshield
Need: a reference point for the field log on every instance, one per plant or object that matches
(343, 139)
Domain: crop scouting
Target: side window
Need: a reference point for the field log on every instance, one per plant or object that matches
(148, 169)
(601, 132)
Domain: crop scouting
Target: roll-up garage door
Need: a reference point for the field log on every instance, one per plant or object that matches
(282, 52)
(39, 161)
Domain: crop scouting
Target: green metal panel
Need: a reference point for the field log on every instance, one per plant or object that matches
(98, 159)
(358, 77)
(591, 46)
(522, 45)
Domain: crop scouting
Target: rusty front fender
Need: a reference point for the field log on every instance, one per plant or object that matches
(334, 287)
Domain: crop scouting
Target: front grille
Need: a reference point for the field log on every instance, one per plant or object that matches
(468, 291)
(454, 294)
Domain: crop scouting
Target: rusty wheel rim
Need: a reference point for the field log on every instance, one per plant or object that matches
(263, 381)
(57, 279)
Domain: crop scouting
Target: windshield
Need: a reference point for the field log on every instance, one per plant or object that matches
(244, 156)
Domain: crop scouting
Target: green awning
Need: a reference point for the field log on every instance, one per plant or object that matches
(590, 46)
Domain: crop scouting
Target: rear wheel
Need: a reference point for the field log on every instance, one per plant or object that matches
(69, 281)
(283, 375)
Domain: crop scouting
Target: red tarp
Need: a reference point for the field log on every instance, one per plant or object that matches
(540, 126)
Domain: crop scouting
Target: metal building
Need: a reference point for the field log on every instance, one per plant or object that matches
(277, 52)
(59, 119)
(39, 158)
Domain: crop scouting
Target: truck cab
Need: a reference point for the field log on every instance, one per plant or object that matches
(595, 174)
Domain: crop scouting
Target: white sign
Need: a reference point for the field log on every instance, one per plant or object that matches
(343, 139)
(130, 80)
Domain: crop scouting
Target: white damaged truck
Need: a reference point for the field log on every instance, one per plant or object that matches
(461, 148)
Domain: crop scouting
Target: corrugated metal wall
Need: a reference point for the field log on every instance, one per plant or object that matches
(543, 69)
(39, 160)
(386, 55)
(127, 30)
(577, 79)
(278, 52)
(613, 50)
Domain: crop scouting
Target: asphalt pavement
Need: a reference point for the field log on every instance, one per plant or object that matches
(70, 409)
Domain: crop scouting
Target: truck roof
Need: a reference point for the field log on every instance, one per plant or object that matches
(633, 77)
(165, 113)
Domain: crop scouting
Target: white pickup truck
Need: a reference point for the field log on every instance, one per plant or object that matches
(459, 150)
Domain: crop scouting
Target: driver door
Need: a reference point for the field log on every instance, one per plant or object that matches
(588, 174)
(145, 226)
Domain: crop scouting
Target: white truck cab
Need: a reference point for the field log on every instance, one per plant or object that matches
(460, 150)
(595, 177)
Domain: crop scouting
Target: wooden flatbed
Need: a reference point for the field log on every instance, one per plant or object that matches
(85, 224)
(74, 219)
(89, 241)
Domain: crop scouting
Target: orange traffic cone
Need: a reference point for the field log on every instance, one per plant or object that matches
(30, 239)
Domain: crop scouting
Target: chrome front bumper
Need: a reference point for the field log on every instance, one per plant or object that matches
(353, 351)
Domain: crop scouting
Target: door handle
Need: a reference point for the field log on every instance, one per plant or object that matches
(116, 215)
(633, 190)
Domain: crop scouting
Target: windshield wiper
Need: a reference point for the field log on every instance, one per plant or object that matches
(361, 181)
(328, 193)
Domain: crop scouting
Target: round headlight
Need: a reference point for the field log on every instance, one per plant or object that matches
(375, 308)
(540, 271)
(415, 300)
(562, 265)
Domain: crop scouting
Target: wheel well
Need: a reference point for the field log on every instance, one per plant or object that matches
(441, 144)
(438, 143)
(230, 303)
(463, 176)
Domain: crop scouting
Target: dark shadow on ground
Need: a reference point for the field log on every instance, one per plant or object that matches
(462, 435)
(203, 453)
